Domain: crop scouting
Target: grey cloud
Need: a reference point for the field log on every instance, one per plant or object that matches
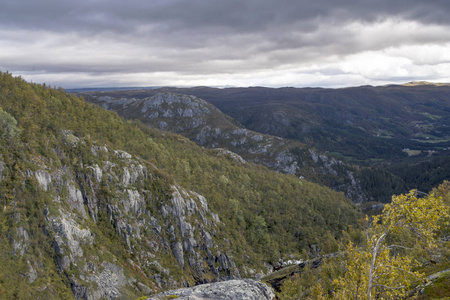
(198, 23)
(235, 15)
(201, 37)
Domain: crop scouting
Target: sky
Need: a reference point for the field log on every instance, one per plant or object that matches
(276, 43)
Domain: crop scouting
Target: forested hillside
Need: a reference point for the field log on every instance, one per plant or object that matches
(204, 124)
(94, 206)
(390, 132)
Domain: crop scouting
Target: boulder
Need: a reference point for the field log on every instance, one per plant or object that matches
(243, 289)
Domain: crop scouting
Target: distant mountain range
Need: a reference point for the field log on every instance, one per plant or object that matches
(382, 131)
(96, 206)
(106, 89)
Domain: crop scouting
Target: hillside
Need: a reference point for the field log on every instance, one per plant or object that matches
(376, 127)
(94, 206)
(204, 124)
(350, 121)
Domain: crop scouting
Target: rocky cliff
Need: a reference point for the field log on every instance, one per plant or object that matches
(97, 207)
(203, 123)
(155, 226)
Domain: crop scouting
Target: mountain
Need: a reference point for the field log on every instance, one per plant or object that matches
(94, 206)
(416, 83)
(387, 130)
(204, 124)
(362, 123)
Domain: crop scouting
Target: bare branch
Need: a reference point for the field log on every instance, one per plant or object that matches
(396, 246)
(422, 193)
(390, 287)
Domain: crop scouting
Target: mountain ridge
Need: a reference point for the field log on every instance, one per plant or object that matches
(384, 130)
(95, 206)
(204, 124)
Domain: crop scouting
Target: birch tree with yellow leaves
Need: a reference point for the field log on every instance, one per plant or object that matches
(382, 269)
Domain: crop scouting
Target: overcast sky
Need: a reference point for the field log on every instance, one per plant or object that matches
(335, 43)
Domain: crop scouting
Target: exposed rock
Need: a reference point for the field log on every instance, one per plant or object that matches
(230, 154)
(194, 242)
(109, 281)
(20, 245)
(354, 190)
(115, 193)
(144, 288)
(2, 167)
(32, 273)
(258, 137)
(135, 203)
(208, 240)
(286, 163)
(97, 149)
(240, 132)
(324, 161)
(177, 250)
(44, 179)
(68, 238)
(79, 291)
(98, 173)
(122, 154)
(89, 195)
(374, 207)
(244, 289)
(126, 176)
(207, 126)
(76, 200)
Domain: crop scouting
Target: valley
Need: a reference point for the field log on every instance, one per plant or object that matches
(379, 135)
(178, 194)
(224, 150)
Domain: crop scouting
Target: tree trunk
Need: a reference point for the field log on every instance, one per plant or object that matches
(375, 250)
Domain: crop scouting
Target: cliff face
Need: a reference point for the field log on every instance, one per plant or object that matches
(156, 224)
(204, 124)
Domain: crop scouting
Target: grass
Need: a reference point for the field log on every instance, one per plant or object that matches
(412, 152)
(430, 116)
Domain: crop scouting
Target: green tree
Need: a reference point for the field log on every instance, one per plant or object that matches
(8, 125)
(380, 269)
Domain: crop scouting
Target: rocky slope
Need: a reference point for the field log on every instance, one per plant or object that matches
(93, 206)
(361, 123)
(203, 123)
(157, 229)
(228, 290)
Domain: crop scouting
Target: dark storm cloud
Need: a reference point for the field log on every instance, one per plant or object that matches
(208, 37)
(224, 16)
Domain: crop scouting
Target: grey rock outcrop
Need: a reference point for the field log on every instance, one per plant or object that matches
(21, 244)
(244, 289)
(2, 167)
(32, 273)
(44, 179)
(230, 154)
(177, 225)
(69, 238)
(204, 124)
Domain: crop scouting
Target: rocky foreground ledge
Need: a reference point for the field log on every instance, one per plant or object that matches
(242, 289)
